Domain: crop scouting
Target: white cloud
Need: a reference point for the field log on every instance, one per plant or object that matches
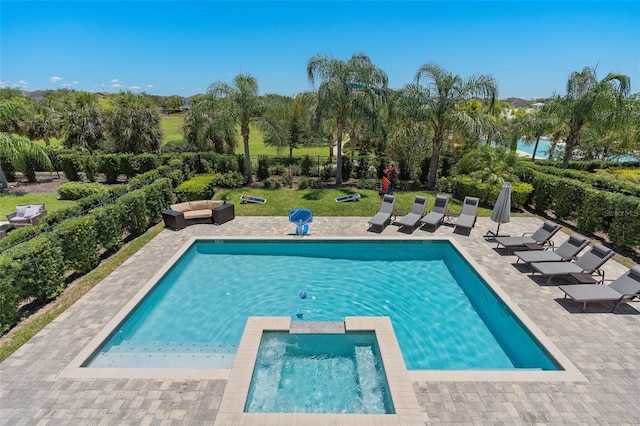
(55, 79)
(116, 85)
(75, 82)
(150, 86)
(3, 83)
(20, 84)
(134, 87)
(115, 81)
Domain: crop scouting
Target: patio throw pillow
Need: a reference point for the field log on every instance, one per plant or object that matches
(20, 210)
(31, 211)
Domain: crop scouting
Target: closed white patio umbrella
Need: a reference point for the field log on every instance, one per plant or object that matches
(501, 210)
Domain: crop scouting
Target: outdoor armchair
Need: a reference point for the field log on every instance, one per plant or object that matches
(27, 215)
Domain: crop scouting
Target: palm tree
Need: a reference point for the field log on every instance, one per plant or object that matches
(348, 89)
(246, 107)
(536, 124)
(14, 150)
(83, 121)
(589, 101)
(133, 123)
(210, 125)
(437, 105)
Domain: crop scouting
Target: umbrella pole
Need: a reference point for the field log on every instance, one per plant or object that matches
(490, 235)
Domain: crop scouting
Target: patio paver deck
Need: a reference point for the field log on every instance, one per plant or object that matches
(604, 346)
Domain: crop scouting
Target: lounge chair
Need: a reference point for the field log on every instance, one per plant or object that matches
(27, 215)
(625, 288)
(436, 215)
(411, 219)
(565, 252)
(581, 270)
(468, 215)
(542, 236)
(383, 217)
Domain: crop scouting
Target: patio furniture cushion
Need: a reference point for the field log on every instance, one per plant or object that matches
(20, 210)
(31, 212)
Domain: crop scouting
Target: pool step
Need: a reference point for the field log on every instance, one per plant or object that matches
(322, 327)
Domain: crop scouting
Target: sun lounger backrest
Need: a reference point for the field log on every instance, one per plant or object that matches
(572, 246)
(441, 203)
(419, 204)
(470, 206)
(595, 258)
(629, 283)
(388, 203)
(545, 232)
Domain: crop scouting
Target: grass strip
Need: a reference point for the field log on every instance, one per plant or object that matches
(28, 328)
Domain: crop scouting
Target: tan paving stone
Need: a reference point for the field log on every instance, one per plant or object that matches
(603, 346)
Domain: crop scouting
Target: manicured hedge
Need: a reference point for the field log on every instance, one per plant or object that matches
(488, 194)
(36, 268)
(77, 190)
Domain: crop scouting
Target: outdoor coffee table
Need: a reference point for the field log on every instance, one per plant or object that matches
(5, 229)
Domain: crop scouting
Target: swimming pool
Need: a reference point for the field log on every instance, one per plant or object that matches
(445, 316)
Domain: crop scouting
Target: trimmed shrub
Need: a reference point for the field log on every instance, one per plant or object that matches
(108, 226)
(41, 267)
(146, 162)
(134, 212)
(263, 168)
(231, 180)
(72, 165)
(77, 190)
(488, 194)
(198, 188)
(271, 183)
(90, 168)
(109, 164)
(595, 212)
(347, 166)
(368, 184)
(9, 295)
(157, 196)
(20, 234)
(79, 243)
(305, 166)
(625, 227)
(278, 169)
(309, 183)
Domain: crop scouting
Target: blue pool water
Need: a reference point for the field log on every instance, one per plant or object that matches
(319, 373)
(444, 315)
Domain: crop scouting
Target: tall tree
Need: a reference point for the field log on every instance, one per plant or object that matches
(536, 125)
(210, 124)
(14, 150)
(245, 105)
(437, 104)
(133, 123)
(347, 89)
(589, 101)
(286, 121)
(83, 121)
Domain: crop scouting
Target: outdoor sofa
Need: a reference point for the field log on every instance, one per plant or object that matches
(180, 215)
(27, 215)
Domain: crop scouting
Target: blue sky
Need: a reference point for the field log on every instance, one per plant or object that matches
(171, 47)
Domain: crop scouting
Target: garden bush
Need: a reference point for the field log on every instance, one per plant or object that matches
(79, 242)
(198, 188)
(108, 225)
(305, 166)
(72, 165)
(134, 212)
(277, 169)
(309, 183)
(41, 267)
(271, 183)
(158, 196)
(595, 212)
(263, 168)
(624, 230)
(77, 190)
(90, 168)
(9, 295)
(231, 180)
(109, 164)
(368, 184)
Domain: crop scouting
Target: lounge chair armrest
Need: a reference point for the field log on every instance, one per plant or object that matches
(524, 234)
(11, 215)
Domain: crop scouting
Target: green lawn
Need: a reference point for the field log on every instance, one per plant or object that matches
(172, 131)
(322, 202)
(8, 202)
